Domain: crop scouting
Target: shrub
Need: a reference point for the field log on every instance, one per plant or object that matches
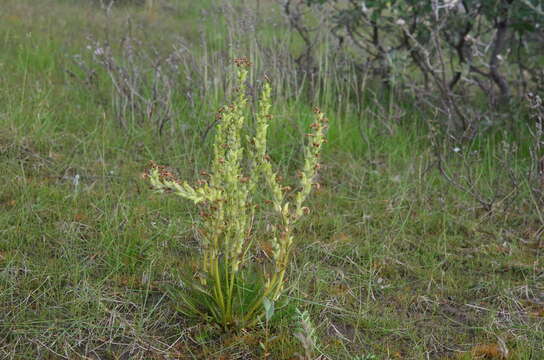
(453, 55)
(230, 288)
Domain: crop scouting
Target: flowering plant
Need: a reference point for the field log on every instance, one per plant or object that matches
(229, 290)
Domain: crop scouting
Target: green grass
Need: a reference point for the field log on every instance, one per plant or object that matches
(392, 260)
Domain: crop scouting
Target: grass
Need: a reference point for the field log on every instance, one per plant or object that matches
(393, 261)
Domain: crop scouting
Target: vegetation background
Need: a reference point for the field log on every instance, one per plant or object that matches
(424, 240)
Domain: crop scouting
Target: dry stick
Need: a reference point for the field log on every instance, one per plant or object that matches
(498, 45)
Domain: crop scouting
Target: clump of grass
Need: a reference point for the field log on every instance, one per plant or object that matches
(229, 289)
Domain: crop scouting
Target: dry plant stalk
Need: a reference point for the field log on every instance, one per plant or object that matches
(229, 200)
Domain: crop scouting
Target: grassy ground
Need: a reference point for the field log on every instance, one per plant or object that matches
(392, 262)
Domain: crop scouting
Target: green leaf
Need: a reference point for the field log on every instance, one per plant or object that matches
(268, 309)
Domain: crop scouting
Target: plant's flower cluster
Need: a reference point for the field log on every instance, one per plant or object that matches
(242, 62)
(163, 180)
(162, 172)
